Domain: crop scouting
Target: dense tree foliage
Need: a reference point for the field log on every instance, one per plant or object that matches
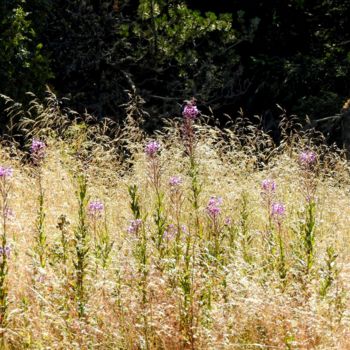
(88, 55)
(23, 65)
(228, 54)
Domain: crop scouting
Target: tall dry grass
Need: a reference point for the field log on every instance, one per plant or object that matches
(182, 294)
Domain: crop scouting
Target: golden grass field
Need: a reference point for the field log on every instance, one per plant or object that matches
(180, 294)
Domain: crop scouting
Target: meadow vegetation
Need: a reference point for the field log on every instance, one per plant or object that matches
(194, 238)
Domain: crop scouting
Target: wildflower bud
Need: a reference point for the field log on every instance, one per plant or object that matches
(134, 226)
(175, 181)
(5, 251)
(38, 150)
(152, 148)
(8, 213)
(213, 207)
(268, 186)
(307, 158)
(228, 221)
(170, 232)
(278, 210)
(95, 208)
(5, 172)
(190, 111)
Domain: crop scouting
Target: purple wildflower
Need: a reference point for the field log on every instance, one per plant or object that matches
(152, 148)
(307, 158)
(213, 207)
(9, 214)
(175, 181)
(268, 186)
(228, 221)
(5, 251)
(37, 150)
(95, 208)
(170, 232)
(37, 146)
(278, 210)
(134, 226)
(190, 111)
(5, 172)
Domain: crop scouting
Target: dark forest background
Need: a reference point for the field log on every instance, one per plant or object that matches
(230, 55)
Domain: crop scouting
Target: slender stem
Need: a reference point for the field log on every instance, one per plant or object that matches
(3, 256)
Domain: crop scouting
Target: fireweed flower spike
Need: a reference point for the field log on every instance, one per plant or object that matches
(213, 208)
(152, 148)
(175, 181)
(268, 191)
(154, 168)
(95, 208)
(278, 211)
(228, 221)
(307, 158)
(6, 252)
(38, 150)
(134, 226)
(8, 212)
(170, 232)
(268, 186)
(307, 162)
(190, 111)
(5, 172)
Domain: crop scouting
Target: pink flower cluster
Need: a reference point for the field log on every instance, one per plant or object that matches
(190, 111)
(170, 232)
(175, 181)
(9, 214)
(5, 251)
(228, 221)
(213, 207)
(307, 158)
(268, 186)
(5, 172)
(152, 148)
(278, 210)
(95, 208)
(37, 150)
(134, 226)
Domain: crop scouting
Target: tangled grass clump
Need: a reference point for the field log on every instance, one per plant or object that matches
(197, 239)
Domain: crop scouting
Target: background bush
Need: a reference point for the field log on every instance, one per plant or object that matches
(250, 55)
